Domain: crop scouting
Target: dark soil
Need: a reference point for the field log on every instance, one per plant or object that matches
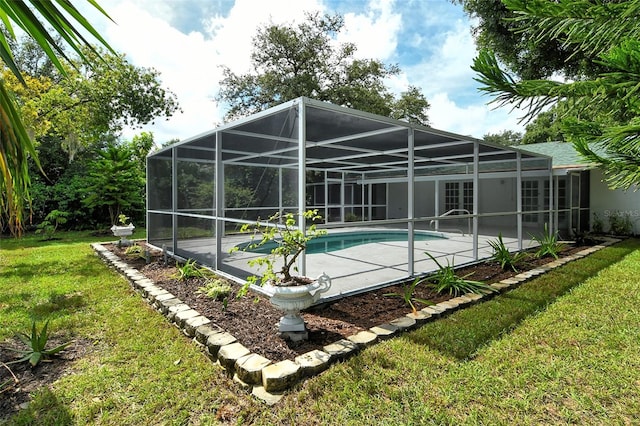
(253, 320)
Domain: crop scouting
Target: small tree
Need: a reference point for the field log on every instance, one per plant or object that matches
(116, 182)
(289, 242)
(51, 222)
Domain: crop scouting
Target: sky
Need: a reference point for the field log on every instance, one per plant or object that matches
(187, 42)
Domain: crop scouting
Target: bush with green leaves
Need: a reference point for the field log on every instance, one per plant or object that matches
(620, 223)
(216, 289)
(37, 346)
(548, 243)
(597, 226)
(504, 257)
(190, 269)
(51, 222)
(408, 289)
(445, 280)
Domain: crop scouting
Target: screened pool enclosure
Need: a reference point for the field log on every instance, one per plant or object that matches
(388, 191)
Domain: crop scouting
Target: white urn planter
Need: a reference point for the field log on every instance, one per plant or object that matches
(293, 299)
(123, 232)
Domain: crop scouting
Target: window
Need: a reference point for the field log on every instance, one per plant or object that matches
(530, 195)
(467, 194)
(458, 195)
(451, 196)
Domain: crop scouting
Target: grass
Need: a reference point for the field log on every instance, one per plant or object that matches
(563, 348)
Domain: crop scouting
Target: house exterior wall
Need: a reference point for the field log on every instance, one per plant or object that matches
(606, 202)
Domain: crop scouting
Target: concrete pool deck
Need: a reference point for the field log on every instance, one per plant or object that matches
(374, 265)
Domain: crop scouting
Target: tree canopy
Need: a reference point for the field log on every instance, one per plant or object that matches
(506, 138)
(523, 47)
(608, 31)
(16, 147)
(305, 60)
(91, 101)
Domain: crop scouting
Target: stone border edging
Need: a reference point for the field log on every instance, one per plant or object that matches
(268, 380)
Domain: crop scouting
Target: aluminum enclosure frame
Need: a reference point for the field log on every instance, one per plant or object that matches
(299, 154)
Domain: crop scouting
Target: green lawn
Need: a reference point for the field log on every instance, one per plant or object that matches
(563, 348)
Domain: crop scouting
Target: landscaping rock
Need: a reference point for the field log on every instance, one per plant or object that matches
(474, 296)
(217, 340)
(165, 305)
(191, 324)
(229, 354)
(363, 338)
(249, 368)
(280, 376)
(434, 310)
(420, 317)
(340, 349)
(313, 362)
(449, 305)
(243, 385)
(384, 331)
(403, 323)
(204, 331)
(267, 397)
(182, 316)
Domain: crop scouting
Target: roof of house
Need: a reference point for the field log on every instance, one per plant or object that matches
(563, 154)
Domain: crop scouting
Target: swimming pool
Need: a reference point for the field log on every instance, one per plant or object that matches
(344, 240)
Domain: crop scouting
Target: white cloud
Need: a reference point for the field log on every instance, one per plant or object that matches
(448, 68)
(233, 34)
(473, 120)
(375, 32)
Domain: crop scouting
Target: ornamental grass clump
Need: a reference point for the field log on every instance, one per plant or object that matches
(504, 257)
(190, 269)
(407, 295)
(548, 244)
(445, 280)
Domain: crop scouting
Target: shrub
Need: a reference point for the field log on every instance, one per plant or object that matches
(217, 289)
(51, 222)
(190, 269)
(597, 226)
(620, 223)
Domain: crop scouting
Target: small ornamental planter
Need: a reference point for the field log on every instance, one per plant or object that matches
(293, 299)
(123, 230)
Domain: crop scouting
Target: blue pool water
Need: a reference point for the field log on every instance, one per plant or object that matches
(343, 240)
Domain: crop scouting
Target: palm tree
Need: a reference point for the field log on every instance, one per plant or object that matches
(16, 146)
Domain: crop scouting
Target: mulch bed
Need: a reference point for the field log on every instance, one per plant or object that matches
(253, 320)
